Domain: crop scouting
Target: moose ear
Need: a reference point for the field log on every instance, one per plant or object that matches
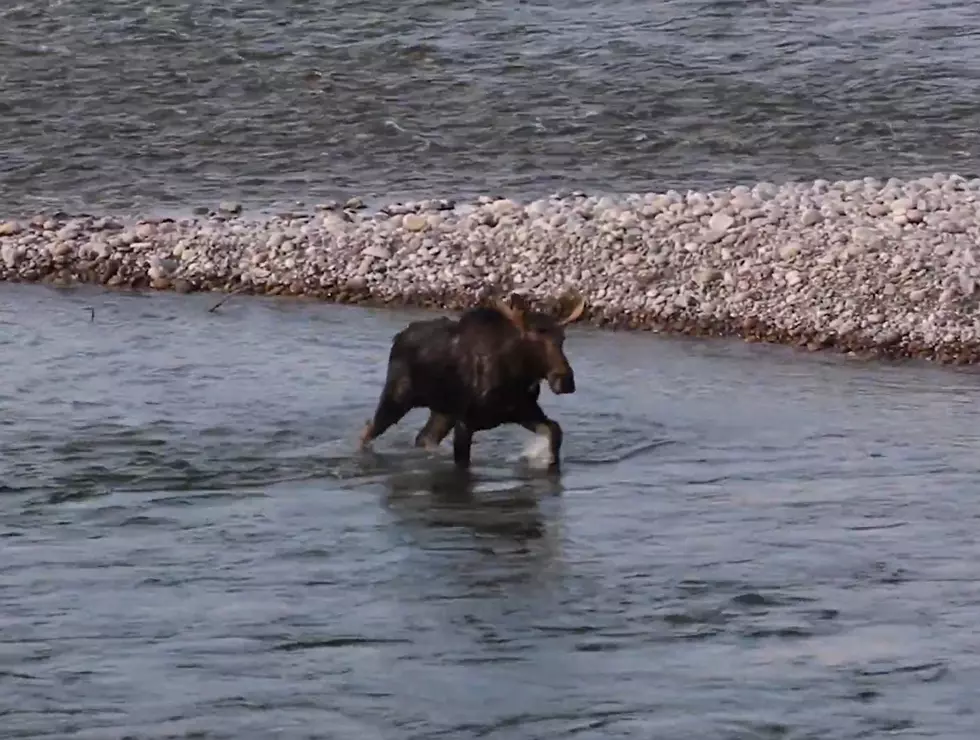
(514, 310)
(577, 302)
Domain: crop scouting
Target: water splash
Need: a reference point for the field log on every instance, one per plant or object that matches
(537, 452)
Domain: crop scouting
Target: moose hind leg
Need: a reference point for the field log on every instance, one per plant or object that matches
(435, 430)
(389, 412)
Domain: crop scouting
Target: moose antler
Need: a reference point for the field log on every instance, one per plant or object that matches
(577, 308)
(514, 309)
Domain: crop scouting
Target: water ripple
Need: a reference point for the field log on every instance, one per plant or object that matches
(758, 544)
(299, 100)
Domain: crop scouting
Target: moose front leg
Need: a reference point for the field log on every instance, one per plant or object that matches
(462, 444)
(535, 420)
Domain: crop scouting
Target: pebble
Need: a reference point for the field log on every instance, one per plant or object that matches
(811, 217)
(720, 222)
(414, 222)
(10, 256)
(707, 275)
(712, 235)
(789, 251)
(866, 262)
(867, 237)
(376, 251)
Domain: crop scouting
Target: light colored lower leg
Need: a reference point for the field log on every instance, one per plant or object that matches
(364, 440)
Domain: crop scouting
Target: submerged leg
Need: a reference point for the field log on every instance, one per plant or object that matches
(462, 444)
(535, 420)
(435, 430)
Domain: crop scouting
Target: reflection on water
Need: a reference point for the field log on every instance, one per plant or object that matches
(448, 497)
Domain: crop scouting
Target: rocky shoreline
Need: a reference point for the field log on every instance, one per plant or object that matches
(878, 268)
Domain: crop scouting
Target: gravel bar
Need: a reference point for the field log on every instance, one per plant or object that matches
(870, 267)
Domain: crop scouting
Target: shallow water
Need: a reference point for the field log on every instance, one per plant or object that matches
(126, 104)
(745, 542)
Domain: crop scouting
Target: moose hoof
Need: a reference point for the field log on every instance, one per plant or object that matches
(364, 441)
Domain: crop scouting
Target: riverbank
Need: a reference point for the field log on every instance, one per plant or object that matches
(886, 268)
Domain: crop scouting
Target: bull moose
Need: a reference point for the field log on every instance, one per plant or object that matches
(475, 373)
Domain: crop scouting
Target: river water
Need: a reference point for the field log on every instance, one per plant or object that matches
(745, 542)
(127, 104)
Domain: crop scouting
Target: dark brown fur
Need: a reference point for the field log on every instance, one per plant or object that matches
(476, 373)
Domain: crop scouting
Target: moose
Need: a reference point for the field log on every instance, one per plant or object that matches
(477, 372)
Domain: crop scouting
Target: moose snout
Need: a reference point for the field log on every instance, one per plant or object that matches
(562, 382)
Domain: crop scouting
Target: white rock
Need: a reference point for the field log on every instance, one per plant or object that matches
(69, 232)
(10, 255)
(505, 206)
(708, 275)
(96, 247)
(376, 251)
(744, 202)
(967, 284)
(867, 237)
(414, 222)
(811, 217)
(711, 236)
(901, 205)
(720, 222)
(161, 268)
(789, 251)
(775, 214)
(334, 223)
